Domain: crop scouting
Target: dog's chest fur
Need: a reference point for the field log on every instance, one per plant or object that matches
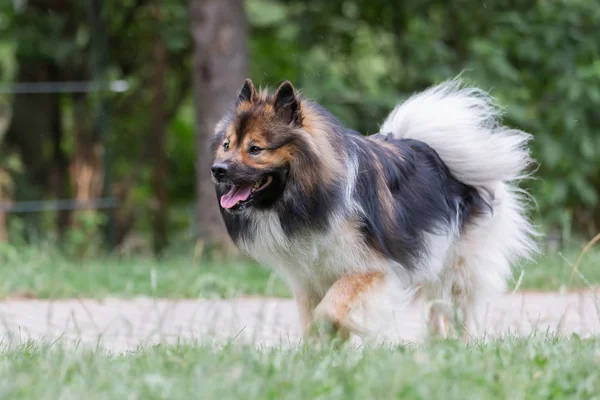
(310, 262)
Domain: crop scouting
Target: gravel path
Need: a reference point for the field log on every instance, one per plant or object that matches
(122, 325)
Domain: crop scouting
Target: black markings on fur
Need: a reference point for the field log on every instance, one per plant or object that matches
(386, 137)
(217, 140)
(247, 92)
(287, 104)
(302, 213)
(242, 123)
(426, 198)
(238, 225)
(276, 140)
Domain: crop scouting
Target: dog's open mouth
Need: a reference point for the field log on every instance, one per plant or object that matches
(239, 194)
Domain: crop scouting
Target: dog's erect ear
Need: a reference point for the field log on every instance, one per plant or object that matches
(287, 104)
(248, 92)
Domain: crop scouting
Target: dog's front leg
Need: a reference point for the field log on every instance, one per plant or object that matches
(305, 308)
(337, 313)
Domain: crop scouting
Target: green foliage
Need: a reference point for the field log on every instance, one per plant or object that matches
(540, 60)
(9, 164)
(84, 239)
(7, 65)
(545, 67)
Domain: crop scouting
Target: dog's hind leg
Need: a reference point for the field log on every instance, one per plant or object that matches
(439, 321)
(460, 298)
(440, 309)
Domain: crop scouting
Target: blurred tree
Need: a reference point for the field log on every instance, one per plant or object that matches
(219, 31)
(159, 105)
(9, 165)
(43, 32)
(161, 83)
(58, 135)
(89, 113)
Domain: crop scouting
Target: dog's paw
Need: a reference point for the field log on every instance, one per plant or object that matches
(324, 332)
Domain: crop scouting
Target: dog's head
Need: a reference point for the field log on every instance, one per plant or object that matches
(255, 145)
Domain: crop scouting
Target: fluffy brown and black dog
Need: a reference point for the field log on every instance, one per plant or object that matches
(360, 225)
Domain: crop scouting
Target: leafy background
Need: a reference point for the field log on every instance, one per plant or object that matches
(539, 59)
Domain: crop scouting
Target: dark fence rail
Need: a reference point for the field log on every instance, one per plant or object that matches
(118, 86)
(58, 205)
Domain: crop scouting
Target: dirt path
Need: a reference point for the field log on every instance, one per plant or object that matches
(122, 325)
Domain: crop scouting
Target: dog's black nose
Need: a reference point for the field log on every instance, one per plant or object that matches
(219, 170)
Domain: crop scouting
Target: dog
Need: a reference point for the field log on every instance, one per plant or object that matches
(359, 226)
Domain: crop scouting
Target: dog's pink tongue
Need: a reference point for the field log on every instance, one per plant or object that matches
(237, 193)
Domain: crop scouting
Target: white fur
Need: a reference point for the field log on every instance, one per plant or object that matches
(462, 125)
(352, 174)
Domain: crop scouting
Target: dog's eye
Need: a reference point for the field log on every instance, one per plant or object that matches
(255, 150)
(226, 145)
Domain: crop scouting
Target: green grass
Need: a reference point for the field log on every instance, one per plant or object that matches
(42, 272)
(552, 271)
(508, 369)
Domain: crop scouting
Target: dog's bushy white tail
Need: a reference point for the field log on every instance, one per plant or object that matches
(462, 125)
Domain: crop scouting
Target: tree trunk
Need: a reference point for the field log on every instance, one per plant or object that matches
(159, 172)
(32, 125)
(3, 233)
(87, 170)
(30, 130)
(61, 167)
(3, 230)
(219, 31)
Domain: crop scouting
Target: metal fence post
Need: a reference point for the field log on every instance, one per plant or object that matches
(99, 40)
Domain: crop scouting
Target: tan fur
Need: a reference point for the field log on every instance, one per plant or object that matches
(392, 149)
(438, 322)
(387, 201)
(322, 146)
(305, 309)
(342, 296)
(308, 177)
